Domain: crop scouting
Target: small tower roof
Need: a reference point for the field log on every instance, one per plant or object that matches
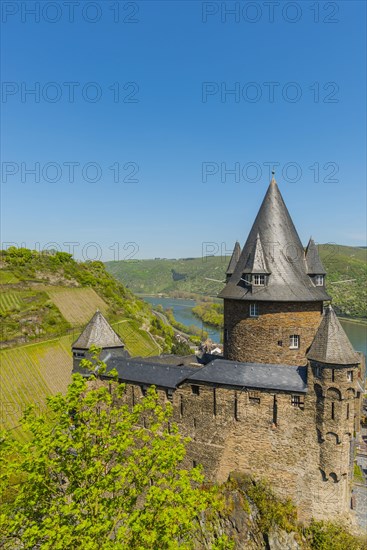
(313, 262)
(256, 262)
(282, 253)
(234, 258)
(98, 332)
(331, 345)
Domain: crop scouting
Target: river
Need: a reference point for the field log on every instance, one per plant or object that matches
(182, 310)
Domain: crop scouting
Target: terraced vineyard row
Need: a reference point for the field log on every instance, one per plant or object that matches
(9, 300)
(28, 374)
(77, 305)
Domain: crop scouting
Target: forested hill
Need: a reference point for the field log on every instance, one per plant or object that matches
(44, 295)
(346, 279)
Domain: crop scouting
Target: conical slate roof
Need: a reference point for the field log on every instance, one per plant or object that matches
(331, 345)
(313, 262)
(98, 332)
(234, 259)
(256, 262)
(284, 257)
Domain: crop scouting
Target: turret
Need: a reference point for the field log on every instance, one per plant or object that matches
(98, 332)
(233, 261)
(334, 376)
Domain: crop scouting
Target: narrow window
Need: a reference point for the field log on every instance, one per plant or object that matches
(214, 402)
(275, 410)
(332, 411)
(347, 411)
(143, 390)
(194, 463)
(225, 335)
(254, 400)
(332, 375)
(254, 310)
(169, 427)
(181, 406)
(294, 341)
(169, 395)
(296, 401)
(318, 372)
(280, 343)
(259, 279)
(319, 280)
(195, 390)
(235, 406)
(350, 376)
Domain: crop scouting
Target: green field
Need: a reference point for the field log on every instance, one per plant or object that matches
(346, 279)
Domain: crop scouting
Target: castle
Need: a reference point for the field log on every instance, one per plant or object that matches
(284, 401)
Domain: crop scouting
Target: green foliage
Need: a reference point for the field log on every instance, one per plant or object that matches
(209, 313)
(273, 511)
(180, 348)
(96, 474)
(332, 536)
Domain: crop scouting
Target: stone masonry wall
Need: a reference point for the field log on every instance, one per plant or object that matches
(266, 338)
(260, 433)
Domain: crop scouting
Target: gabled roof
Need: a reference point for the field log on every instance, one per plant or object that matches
(331, 345)
(313, 262)
(234, 258)
(256, 262)
(284, 256)
(98, 332)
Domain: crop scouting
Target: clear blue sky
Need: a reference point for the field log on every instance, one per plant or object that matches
(177, 123)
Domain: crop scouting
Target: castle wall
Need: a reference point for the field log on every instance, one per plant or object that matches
(261, 433)
(265, 339)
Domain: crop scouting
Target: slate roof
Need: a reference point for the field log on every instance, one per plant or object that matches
(284, 256)
(98, 332)
(313, 261)
(234, 258)
(252, 375)
(218, 372)
(331, 345)
(256, 262)
(146, 373)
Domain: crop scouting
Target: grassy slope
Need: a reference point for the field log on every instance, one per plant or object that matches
(156, 276)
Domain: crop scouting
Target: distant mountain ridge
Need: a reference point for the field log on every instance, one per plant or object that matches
(205, 276)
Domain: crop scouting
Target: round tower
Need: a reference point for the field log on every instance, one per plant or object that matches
(334, 376)
(273, 299)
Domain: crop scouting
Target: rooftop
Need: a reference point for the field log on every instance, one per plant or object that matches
(274, 245)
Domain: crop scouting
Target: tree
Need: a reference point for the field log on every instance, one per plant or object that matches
(95, 473)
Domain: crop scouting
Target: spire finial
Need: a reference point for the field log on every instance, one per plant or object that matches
(273, 175)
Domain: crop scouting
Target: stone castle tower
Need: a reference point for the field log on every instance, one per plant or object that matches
(284, 402)
(273, 299)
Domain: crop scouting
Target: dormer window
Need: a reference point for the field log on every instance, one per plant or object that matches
(258, 280)
(247, 278)
(319, 280)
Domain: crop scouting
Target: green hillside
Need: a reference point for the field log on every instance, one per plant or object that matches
(47, 295)
(190, 276)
